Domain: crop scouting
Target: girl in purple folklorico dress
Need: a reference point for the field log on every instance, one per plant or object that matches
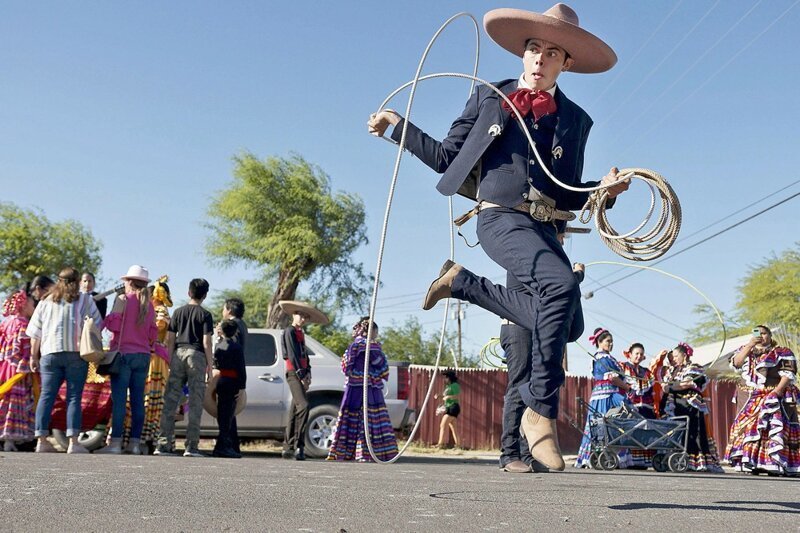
(17, 404)
(349, 440)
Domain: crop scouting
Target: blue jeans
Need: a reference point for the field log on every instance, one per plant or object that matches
(529, 251)
(132, 376)
(54, 369)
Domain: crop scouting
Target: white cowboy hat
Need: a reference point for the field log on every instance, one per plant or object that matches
(512, 28)
(138, 273)
(315, 315)
(210, 399)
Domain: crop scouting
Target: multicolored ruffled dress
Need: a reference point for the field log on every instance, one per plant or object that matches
(349, 440)
(641, 397)
(605, 395)
(765, 436)
(17, 405)
(701, 449)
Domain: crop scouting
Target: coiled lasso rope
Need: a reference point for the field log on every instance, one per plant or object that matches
(633, 245)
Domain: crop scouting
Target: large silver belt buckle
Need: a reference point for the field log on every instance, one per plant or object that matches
(541, 212)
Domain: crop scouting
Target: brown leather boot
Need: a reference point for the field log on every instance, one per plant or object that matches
(542, 437)
(440, 288)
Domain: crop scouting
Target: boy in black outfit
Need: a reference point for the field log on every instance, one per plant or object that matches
(232, 377)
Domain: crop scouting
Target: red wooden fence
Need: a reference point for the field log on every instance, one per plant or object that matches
(480, 423)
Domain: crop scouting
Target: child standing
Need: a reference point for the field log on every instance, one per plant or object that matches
(231, 375)
(189, 343)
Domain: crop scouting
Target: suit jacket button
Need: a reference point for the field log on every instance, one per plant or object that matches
(536, 126)
(532, 162)
(525, 195)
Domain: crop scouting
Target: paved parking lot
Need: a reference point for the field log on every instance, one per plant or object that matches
(265, 493)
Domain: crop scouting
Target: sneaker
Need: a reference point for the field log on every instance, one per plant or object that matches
(164, 450)
(287, 454)
(76, 448)
(44, 446)
(113, 448)
(300, 455)
(134, 449)
(192, 452)
(8, 446)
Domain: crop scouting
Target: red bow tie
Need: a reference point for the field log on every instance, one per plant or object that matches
(540, 103)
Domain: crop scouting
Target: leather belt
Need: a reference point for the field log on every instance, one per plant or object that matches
(541, 210)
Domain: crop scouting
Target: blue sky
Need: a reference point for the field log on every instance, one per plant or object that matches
(125, 117)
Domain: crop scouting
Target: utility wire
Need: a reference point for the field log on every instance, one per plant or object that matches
(686, 71)
(632, 60)
(658, 66)
(717, 234)
(726, 217)
(680, 105)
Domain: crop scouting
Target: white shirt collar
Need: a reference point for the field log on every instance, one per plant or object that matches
(522, 84)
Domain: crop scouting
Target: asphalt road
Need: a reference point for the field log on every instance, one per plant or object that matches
(263, 492)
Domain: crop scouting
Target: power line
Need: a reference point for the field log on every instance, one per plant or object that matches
(632, 60)
(642, 308)
(691, 95)
(717, 234)
(688, 70)
(726, 217)
(655, 68)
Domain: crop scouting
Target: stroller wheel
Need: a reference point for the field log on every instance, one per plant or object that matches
(678, 462)
(594, 461)
(608, 460)
(660, 462)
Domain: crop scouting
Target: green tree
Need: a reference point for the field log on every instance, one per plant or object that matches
(709, 329)
(255, 294)
(770, 293)
(30, 244)
(280, 215)
(408, 342)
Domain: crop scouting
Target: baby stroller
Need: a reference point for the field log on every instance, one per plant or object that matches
(624, 428)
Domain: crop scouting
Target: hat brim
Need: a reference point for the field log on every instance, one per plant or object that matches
(210, 399)
(137, 278)
(512, 28)
(315, 315)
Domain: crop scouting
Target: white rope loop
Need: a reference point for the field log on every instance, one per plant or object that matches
(373, 304)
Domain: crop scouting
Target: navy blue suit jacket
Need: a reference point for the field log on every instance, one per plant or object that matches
(461, 156)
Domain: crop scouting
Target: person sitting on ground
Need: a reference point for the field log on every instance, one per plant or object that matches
(609, 390)
(189, 343)
(55, 331)
(349, 440)
(452, 408)
(231, 378)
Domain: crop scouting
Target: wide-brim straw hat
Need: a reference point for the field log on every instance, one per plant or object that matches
(137, 272)
(315, 315)
(512, 28)
(210, 399)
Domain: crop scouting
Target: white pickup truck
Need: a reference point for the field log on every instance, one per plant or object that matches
(269, 399)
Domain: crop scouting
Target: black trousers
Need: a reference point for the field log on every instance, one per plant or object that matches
(298, 414)
(228, 437)
(529, 251)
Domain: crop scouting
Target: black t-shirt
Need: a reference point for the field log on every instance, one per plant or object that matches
(228, 355)
(241, 335)
(190, 323)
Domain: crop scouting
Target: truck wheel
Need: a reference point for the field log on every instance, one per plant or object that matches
(321, 426)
